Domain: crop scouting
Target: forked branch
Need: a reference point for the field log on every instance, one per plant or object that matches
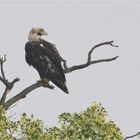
(8, 85)
(89, 61)
(26, 91)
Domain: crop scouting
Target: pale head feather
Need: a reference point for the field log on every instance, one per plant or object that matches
(36, 33)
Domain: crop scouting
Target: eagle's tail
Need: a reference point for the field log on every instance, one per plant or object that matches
(61, 85)
(65, 89)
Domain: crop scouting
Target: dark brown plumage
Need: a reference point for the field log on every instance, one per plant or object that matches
(44, 57)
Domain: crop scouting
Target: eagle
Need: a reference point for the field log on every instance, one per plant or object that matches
(45, 58)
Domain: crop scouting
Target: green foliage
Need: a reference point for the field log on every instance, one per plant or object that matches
(91, 124)
(7, 127)
(31, 129)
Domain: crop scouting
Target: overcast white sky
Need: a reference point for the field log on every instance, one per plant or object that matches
(75, 27)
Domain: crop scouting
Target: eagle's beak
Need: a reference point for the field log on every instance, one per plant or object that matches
(45, 33)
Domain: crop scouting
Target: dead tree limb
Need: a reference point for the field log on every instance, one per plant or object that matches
(2, 60)
(89, 61)
(23, 93)
(26, 91)
(8, 85)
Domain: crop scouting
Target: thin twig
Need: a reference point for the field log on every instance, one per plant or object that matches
(135, 135)
(99, 45)
(2, 77)
(14, 81)
(2, 60)
(12, 106)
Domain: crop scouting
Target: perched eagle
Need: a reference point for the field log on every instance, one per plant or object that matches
(44, 57)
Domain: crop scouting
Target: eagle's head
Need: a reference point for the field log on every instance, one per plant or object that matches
(36, 33)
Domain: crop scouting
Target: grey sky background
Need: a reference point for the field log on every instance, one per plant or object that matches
(75, 27)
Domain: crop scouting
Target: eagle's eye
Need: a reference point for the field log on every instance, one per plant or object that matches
(39, 33)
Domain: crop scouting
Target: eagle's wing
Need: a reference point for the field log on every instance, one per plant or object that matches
(52, 50)
(47, 61)
(53, 54)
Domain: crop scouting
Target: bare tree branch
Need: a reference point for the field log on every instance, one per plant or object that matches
(8, 85)
(3, 81)
(2, 60)
(89, 61)
(77, 67)
(135, 135)
(2, 77)
(3, 98)
(99, 45)
(26, 91)
(8, 88)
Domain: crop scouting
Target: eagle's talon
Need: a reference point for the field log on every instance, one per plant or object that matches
(48, 85)
(45, 83)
